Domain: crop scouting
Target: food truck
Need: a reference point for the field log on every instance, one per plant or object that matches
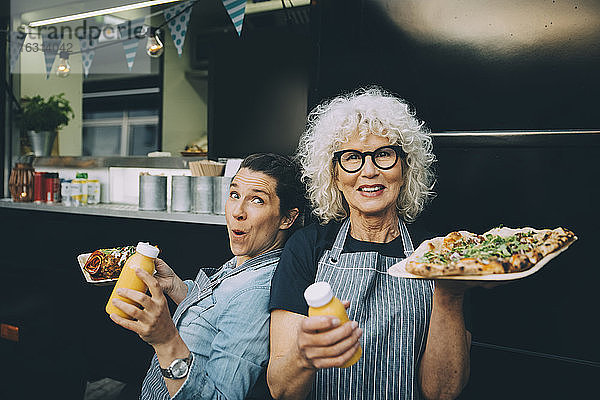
(509, 91)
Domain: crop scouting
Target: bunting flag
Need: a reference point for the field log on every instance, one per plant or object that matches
(88, 50)
(236, 10)
(50, 46)
(16, 44)
(131, 30)
(178, 23)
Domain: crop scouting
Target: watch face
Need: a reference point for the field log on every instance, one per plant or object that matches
(179, 369)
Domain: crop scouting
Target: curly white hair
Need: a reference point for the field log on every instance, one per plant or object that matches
(364, 111)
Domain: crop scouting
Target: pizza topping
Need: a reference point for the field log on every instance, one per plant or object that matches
(481, 247)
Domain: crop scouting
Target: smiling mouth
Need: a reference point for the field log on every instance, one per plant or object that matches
(371, 189)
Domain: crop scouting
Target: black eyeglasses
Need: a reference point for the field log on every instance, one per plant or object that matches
(384, 158)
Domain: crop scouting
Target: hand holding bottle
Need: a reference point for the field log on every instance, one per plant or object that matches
(327, 338)
(153, 321)
(143, 258)
(169, 282)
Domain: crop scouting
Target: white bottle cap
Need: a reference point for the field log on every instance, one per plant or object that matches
(318, 294)
(146, 249)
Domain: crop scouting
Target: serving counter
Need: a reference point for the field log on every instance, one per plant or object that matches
(117, 210)
(65, 337)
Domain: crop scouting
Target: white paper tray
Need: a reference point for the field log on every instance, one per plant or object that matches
(81, 259)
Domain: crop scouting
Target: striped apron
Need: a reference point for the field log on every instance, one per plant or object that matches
(393, 314)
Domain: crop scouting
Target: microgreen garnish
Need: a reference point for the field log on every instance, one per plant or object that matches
(482, 247)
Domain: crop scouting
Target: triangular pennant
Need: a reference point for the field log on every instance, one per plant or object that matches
(88, 51)
(178, 18)
(50, 46)
(236, 10)
(16, 44)
(129, 32)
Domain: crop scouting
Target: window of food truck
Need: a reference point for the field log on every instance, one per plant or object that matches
(121, 117)
(124, 101)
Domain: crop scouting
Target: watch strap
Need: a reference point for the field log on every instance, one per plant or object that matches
(168, 373)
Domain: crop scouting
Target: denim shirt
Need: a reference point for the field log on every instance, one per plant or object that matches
(224, 321)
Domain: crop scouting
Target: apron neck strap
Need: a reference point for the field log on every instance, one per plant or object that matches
(198, 293)
(338, 244)
(340, 239)
(406, 240)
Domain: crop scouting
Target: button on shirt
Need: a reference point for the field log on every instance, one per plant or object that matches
(224, 321)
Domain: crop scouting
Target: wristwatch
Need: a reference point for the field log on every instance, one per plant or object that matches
(178, 369)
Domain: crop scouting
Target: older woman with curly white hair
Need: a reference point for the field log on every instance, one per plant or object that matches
(366, 162)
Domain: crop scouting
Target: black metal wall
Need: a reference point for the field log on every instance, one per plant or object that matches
(467, 65)
(258, 88)
(65, 335)
(536, 337)
(475, 66)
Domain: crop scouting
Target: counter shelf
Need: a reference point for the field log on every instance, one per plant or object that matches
(118, 210)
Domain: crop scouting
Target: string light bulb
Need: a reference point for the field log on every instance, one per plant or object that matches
(64, 68)
(154, 47)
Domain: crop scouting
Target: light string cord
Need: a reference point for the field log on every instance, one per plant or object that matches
(8, 88)
(115, 42)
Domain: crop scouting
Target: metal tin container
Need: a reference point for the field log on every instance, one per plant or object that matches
(202, 194)
(220, 193)
(181, 193)
(152, 193)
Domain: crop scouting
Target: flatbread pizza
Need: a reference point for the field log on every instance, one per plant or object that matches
(499, 251)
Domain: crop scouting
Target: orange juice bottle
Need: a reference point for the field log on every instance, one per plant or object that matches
(143, 258)
(321, 301)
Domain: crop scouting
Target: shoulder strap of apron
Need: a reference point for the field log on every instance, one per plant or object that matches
(406, 240)
(199, 292)
(340, 239)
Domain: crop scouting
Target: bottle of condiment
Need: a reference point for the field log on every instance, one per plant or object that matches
(143, 258)
(79, 189)
(65, 191)
(93, 191)
(83, 178)
(321, 301)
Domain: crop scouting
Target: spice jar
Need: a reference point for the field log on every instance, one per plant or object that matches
(20, 183)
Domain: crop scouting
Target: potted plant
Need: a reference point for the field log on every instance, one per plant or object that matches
(42, 118)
